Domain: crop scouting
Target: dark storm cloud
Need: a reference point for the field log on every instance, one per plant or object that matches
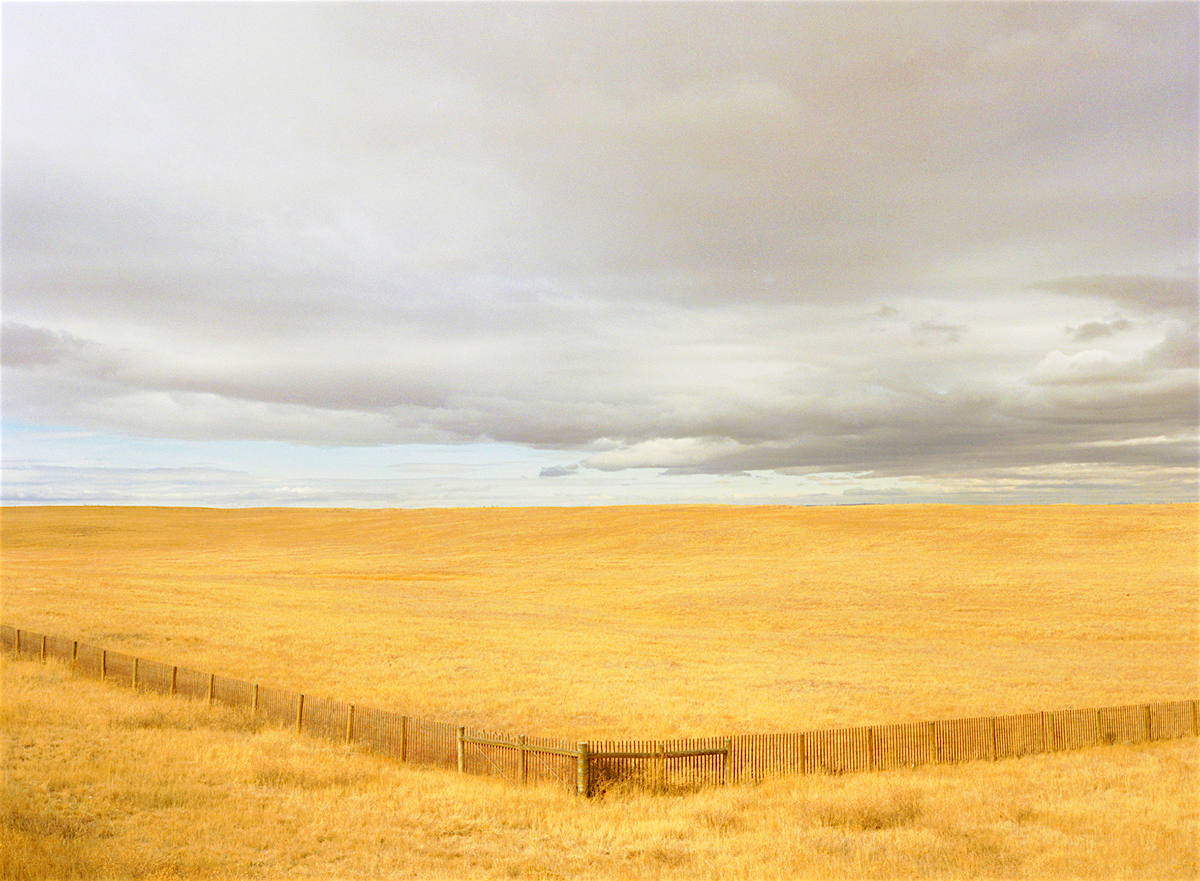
(710, 237)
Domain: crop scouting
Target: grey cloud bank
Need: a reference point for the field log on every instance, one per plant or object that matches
(947, 244)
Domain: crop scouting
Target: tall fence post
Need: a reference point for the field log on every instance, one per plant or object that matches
(300, 714)
(1149, 725)
(404, 738)
(103, 664)
(74, 652)
(254, 703)
(42, 652)
(460, 747)
(175, 680)
(18, 649)
(803, 752)
(212, 688)
(135, 674)
(350, 724)
(523, 759)
(583, 771)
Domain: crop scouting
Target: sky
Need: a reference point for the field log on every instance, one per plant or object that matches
(423, 255)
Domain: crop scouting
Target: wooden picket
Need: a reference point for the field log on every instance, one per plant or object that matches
(596, 767)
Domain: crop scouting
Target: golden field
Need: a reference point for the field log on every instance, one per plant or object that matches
(598, 622)
(636, 621)
(102, 783)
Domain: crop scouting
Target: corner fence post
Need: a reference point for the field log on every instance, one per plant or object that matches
(300, 715)
(583, 771)
(523, 759)
(460, 748)
(350, 724)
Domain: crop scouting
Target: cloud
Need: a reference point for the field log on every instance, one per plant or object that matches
(1094, 330)
(1144, 292)
(932, 331)
(646, 237)
(1088, 366)
(558, 471)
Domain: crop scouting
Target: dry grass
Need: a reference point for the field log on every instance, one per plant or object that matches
(645, 621)
(102, 783)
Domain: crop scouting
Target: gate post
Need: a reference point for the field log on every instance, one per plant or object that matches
(583, 771)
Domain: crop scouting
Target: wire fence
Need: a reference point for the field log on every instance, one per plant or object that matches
(591, 768)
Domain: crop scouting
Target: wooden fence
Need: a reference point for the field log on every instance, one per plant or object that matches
(590, 768)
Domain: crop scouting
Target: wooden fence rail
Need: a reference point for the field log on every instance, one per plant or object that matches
(593, 767)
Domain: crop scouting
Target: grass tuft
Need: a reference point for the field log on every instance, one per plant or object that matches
(873, 813)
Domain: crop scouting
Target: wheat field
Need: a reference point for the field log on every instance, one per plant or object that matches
(636, 621)
(591, 622)
(102, 783)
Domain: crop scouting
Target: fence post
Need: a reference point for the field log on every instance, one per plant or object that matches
(583, 783)
(254, 703)
(18, 642)
(350, 724)
(212, 687)
(870, 747)
(803, 752)
(1149, 725)
(300, 715)
(523, 759)
(460, 747)
(174, 680)
(1045, 733)
(43, 649)
(662, 765)
(1195, 717)
(994, 750)
(404, 738)
(135, 673)
(1099, 733)
(103, 664)
(74, 652)
(935, 752)
(727, 768)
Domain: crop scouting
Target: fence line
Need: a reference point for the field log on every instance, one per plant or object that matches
(589, 768)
